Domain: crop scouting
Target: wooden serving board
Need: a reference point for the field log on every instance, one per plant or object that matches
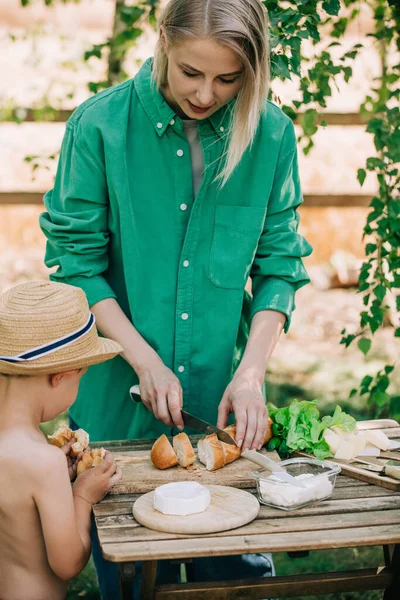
(141, 476)
(356, 471)
(229, 508)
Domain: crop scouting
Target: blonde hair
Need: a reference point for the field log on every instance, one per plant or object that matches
(240, 25)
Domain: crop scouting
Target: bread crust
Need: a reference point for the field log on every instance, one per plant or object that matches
(64, 434)
(231, 452)
(90, 459)
(183, 449)
(61, 436)
(212, 452)
(162, 453)
(231, 429)
(82, 442)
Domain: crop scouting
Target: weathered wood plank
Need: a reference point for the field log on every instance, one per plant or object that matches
(327, 507)
(237, 544)
(309, 200)
(30, 115)
(124, 529)
(288, 586)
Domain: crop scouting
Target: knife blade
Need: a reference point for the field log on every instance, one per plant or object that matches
(206, 428)
(192, 421)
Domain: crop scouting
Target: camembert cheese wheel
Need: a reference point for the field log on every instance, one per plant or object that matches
(181, 498)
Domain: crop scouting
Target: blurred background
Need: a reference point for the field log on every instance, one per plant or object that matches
(54, 54)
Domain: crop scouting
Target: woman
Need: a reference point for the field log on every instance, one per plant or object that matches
(172, 189)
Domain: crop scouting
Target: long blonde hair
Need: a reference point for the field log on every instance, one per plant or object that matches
(241, 25)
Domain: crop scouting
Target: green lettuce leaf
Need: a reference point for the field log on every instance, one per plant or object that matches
(300, 427)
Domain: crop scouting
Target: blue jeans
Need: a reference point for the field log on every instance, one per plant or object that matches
(216, 568)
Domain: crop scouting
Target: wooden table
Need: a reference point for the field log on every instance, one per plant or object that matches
(358, 514)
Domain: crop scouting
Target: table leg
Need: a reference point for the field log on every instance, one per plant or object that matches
(148, 584)
(126, 575)
(392, 556)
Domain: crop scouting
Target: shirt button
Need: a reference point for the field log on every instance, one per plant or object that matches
(159, 125)
(183, 206)
(185, 263)
(181, 369)
(222, 129)
(172, 122)
(180, 152)
(185, 316)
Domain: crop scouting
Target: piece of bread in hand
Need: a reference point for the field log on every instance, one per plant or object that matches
(64, 434)
(61, 436)
(90, 459)
(211, 453)
(183, 449)
(82, 442)
(162, 453)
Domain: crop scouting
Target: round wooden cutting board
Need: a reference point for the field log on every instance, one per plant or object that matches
(229, 508)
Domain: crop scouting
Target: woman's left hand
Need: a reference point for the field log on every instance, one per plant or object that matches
(244, 397)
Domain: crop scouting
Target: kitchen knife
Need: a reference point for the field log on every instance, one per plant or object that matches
(192, 421)
(391, 468)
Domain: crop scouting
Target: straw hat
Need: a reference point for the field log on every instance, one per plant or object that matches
(46, 328)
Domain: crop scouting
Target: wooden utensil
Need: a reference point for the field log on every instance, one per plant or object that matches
(391, 469)
(229, 508)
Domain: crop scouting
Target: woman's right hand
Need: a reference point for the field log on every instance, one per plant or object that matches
(92, 485)
(161, 392)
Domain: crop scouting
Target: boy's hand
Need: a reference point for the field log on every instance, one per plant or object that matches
(92, 485)
(71, 461)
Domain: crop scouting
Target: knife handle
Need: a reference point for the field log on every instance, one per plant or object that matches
(135, 393)
(262, 460)
(392, 471)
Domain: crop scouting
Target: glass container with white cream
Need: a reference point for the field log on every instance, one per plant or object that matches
(318, 479)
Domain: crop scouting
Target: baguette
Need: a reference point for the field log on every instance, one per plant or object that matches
(61, 436)
(162, 453)
(90, 459)
(211, 452)
(231, 429)
(64, 434)
(215, 454)
(82, 442)
(183, 450)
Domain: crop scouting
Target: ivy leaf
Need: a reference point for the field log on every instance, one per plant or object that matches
(381, 398)
(280, 66)
(361, 175)
(364, 345)
(380, 292)
(398, 303)
(370, 248)
(366, 381)
(397, 332)
(332, 7)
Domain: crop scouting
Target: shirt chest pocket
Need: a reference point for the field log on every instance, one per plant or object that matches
(237, 230)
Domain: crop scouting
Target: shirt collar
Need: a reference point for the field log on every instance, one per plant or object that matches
(161, 114)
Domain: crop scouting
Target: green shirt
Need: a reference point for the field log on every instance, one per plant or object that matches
(122, 223)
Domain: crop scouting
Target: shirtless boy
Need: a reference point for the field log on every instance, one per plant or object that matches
(48, 339)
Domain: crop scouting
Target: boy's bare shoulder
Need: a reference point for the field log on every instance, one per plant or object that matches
(32, 454)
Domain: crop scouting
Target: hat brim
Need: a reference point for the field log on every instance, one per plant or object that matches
(106, 349)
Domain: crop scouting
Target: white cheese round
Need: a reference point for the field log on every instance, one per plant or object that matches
(181, 498)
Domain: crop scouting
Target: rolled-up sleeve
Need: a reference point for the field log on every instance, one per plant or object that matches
(278, 269)
(76, 221)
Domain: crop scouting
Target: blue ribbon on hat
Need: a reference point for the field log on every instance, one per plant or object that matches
(62, 342)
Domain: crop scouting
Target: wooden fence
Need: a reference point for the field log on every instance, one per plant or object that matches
(323, 200)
